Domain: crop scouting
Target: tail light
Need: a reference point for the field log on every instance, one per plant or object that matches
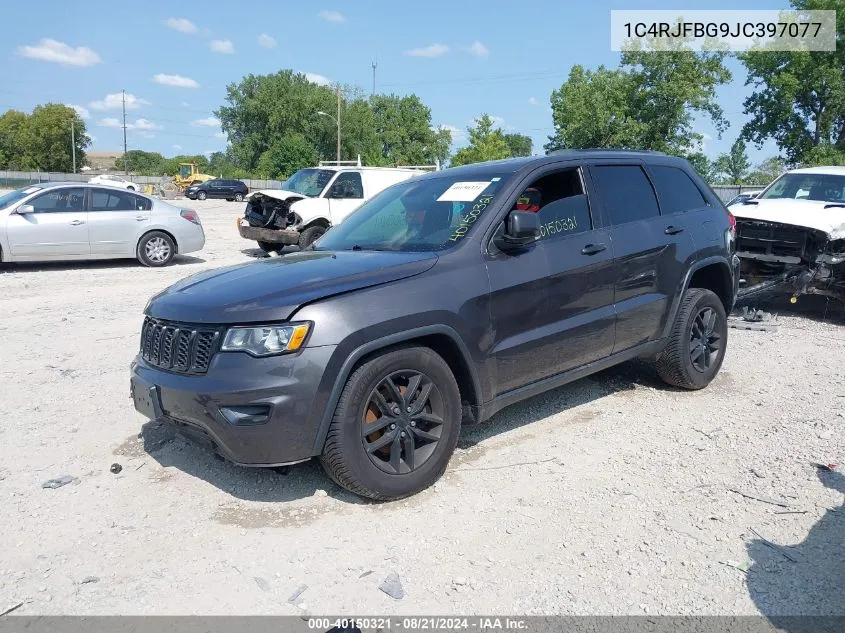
(732, 223)
(190, 215)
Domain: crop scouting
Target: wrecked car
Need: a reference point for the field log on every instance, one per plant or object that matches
(792, 236)
(311, 201)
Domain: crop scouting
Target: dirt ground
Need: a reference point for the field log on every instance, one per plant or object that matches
(614, 495)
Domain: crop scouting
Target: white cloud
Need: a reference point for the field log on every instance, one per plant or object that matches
(177, 147)
(222, 46)
(453, 130)
(48, 50)
(477, 49)
(533, 101)
(181, 24)
(432, 50)
(114, 101)
(185, 104)
(206, 122)
(332, 16)
(177, 81)
(266, 41)
(314, 78)
(80, 111)
(138, 124)
(220, 135)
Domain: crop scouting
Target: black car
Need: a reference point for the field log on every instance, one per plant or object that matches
(440, 301)
(218, 188)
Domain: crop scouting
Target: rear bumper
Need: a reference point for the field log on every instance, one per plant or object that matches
(191, 241)
(273, 236)
(252, 411)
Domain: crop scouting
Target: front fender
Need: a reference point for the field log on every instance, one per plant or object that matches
(311, 209)
(349, 360)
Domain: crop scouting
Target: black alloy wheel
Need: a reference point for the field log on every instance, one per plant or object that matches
(402, 422)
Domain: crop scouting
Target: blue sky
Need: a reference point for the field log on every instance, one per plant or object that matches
(462, 57)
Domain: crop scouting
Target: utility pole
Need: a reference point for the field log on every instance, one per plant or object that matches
(125, 163)
(73, 145)
(338, 124)
(375, 65)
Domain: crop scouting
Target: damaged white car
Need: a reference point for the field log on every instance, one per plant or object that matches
(311, 201)
(793, 234)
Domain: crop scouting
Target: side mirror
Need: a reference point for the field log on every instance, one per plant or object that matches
(521, 229)
(25, 208)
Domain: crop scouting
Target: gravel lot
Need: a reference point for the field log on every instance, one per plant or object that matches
(614, 495)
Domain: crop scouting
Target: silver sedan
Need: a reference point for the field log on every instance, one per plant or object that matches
(72, 221)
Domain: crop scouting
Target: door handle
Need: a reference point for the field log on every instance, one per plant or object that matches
(673, 230)
(77, 222)
(140, 218)
(592, 249)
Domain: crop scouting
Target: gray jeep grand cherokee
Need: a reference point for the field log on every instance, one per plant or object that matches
(439, 302)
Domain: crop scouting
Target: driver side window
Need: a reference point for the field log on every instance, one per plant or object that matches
(348, 185)
(60, 200)
(560, 203)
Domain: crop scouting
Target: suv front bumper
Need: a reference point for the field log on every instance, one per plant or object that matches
(252, 411)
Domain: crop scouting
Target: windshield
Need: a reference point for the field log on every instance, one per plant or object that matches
(309, 182)
(428, 214)
(14, 196)
(820, 187)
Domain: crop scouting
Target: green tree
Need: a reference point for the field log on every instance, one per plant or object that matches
(42, 140)
(733, 166)
(650, 102)
(404, 131)
(286, 155)
(485, 143)
(519, 144)
(798, 98)
(703, 165)
(767, 171)
(12, 131)
(142, 163)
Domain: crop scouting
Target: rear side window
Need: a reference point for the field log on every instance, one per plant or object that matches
(626, 193)
(102, 200)
(676, 190)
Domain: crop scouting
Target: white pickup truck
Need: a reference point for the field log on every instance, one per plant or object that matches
(792, 235)
(311, 201)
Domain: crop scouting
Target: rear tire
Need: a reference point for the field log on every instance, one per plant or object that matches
(407, 451)
(156, 249)
(131, 188)
(202, 195)
(697, 343)
(310, 235)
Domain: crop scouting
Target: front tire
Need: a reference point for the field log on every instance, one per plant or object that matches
(268, 247)
(396, 425)
(239, 197)
(310, 235)
(156, 249)
(202, 195)
(131, 188)
(697, 343)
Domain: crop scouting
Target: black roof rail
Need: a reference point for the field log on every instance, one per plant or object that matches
(610, 150)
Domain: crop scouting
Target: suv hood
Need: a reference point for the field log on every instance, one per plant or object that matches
(809, 214)
(273, 289)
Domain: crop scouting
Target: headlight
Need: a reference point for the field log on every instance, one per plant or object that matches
(265, 340)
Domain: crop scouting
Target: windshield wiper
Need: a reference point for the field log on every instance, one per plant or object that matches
(834, 204)
(750, 202)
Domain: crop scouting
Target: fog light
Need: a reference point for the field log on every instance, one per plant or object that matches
(247, 416)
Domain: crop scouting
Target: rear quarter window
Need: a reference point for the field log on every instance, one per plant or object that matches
(676, 190)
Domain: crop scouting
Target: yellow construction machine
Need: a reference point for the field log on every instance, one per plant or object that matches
(188, 175)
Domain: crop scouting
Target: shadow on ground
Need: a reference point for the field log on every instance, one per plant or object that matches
(807, 579)
(303, 480)
(99, 264)
(813, 307)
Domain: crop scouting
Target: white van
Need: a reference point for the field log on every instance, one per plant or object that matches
(313, 200)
